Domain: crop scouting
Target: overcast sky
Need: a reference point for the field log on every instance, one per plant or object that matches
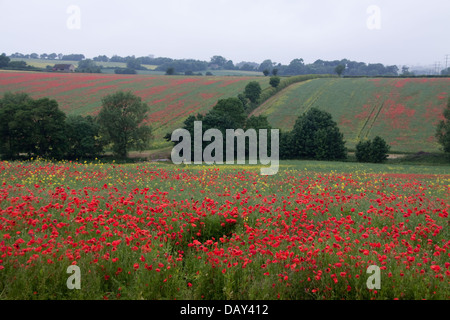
(387, 31)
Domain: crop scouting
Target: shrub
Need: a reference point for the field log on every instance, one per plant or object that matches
(316, 136)
(375, 151)
(274, 81)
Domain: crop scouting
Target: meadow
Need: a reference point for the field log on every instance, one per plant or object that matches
(403, 111)
(159, 231)
(171, 98)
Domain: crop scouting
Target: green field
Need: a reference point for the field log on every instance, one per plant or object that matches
(404, 112)
(171, 98)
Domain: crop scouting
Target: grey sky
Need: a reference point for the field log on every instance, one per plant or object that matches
(410, 32)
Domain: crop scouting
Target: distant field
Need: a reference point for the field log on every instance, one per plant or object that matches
(404, 112)
(41, 63)
(171, 98)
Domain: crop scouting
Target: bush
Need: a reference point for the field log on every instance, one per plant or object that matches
(316, 136)
(274, 81)
(375, 151)
(363, 151)
(253, 91)
(443, 130)
(124, 71)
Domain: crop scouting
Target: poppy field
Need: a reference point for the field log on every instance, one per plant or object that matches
(171, 99)
(403, 111)
(160, 231)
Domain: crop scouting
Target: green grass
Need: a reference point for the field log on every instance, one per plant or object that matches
(402, 111)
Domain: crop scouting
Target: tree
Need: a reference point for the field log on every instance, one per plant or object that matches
(133, 63)
(231, 109)
(380, 150)
(72, 57)
(274, 71)
(253, 91)
(121, 121)
(266, 65)
(4, 60)
(339, 69)
(33, 127)
(83, 137)
(274, 81)
(375, 151)
(102, 58)
(229, 65)
(219, 61)
(15, 125)
(19, 65)
(363, 151)
(315, 135)
(124, 71)
(170, 71)
(445, 72)
(49, 129)
(266, 72)
(88, 66)
(443, 130)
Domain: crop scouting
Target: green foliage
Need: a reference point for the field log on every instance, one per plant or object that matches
(15, 124)
(253, 91)
(18, 65)
(170, 71)
(88, 66)
(375, 151)
(121, 122)
(316, 136)
(133, 63)
(226, 114)
(443, 130)
(339, 69)
(380, 150)
(49, 129)
(32, 127)
(124, 71)
(363, 151)
(231, 109)
(274, 81)
(82, 137)
(4, 60)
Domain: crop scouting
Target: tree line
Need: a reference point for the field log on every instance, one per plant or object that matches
(315, 135)
(180, 66)
(38, 128)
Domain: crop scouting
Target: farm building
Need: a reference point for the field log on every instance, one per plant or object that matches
(64, 68)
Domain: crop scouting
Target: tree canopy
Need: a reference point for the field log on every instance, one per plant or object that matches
(121, 121)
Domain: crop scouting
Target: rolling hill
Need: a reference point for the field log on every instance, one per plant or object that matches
(171, 98)
(403, 111)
